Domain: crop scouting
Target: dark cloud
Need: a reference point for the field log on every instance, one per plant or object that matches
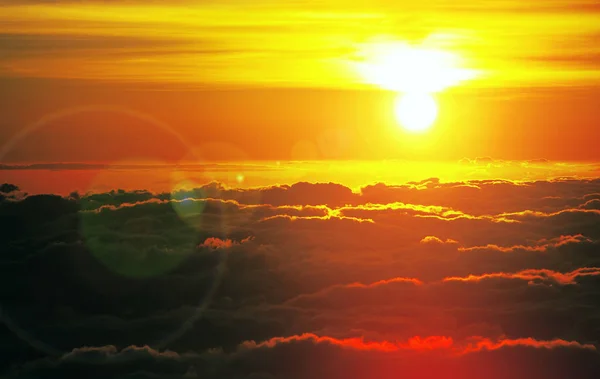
(591, 204)
(9, 192)
(287, 357)
(471, 279)
(8, 188)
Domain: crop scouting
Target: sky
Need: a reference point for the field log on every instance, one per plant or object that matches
(287, 80)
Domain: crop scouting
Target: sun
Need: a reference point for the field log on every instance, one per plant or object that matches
(414, 72)
(416, 112)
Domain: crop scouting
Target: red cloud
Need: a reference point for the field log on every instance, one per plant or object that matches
(352, 343)
(428, 343)
(487, 344)
(418, 343)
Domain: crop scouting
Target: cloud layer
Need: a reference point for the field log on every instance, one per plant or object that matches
(468, 279)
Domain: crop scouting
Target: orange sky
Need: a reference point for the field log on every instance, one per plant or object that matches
(240, 80)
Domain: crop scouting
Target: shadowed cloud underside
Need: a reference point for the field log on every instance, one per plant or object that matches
(481, 277)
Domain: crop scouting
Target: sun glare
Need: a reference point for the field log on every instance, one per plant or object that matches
(416, 112)
(405, 68)
(414, 72)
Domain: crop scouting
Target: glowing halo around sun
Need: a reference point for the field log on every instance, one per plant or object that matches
(415, 73)
(416, 112)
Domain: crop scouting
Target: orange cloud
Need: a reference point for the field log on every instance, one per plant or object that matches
(543, 245)
(540, 214)
(533, 275)
(434, 239)
(457, 215)
(356, 285)
(217, 243)
(111, 207)
(328, 217)
(384, 282)
(418, 210)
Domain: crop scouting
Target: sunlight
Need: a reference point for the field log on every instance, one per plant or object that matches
(415, 72)
(416, 112)
(400, 67)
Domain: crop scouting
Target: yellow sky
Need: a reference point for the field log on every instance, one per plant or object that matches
(300, 43)
(288, 80)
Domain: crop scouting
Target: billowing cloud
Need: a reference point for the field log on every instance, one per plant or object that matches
(418, 343)
(434, 239)
(534, 275)
(217, 243)
(225, 282)
(542, 245)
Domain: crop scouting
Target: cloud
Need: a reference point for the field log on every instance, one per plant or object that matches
(541, 246)
(434, 239)
(418, 343)
(217, 243)
(225, 282)
(591, 204)
(486, 344)
(91, 353)
(322, 218)
(353, 343)
(345, 295)
(385, 281)
(7, 188)
(534, 276)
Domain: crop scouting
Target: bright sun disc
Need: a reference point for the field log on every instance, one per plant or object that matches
(416, 112)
